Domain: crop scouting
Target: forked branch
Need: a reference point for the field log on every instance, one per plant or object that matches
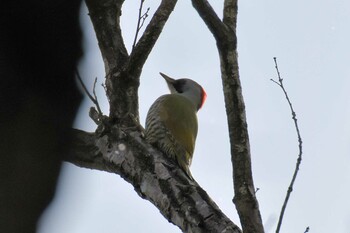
(96, 117)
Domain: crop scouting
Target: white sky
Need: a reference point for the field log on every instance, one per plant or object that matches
(311, 41)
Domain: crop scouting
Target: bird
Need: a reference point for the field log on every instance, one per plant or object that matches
(171, 122)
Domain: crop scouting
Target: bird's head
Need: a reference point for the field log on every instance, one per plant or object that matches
(188, 88)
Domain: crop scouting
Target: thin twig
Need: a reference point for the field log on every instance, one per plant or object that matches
(84, 87)
(140, 22)
(92, 98)
(94, 92)
(144, 16)
(290, 188)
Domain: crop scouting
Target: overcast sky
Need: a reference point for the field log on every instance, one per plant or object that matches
(311, 41)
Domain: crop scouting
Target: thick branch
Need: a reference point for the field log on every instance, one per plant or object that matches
(245, 200)
(84, 153)
(230, 14)
(155, 178)
(148, 39)
(105, 16)
(122, 94)
(210, 18)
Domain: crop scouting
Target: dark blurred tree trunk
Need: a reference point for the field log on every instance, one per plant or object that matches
(39, 50)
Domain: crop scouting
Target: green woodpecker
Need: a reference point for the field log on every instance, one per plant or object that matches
(171, 123)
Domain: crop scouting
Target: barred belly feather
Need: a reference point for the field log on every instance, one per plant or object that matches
(171, 125)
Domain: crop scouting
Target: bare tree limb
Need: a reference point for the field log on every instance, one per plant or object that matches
(230, 16)
(144, 17)
(154, 177)
(123, 71)
(213, 22)
(105, 16)
(92, 98)
(300, 146)
(95, 97)
(84, 87)
(96, 116)
(224, 33)
(140, 22)
(149, 37)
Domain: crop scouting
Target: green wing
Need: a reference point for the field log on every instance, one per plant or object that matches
(179, 117)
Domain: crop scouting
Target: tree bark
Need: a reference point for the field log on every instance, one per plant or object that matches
(154, 177)
(225, 34)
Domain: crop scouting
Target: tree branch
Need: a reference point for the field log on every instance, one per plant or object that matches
(230, 14)
(105, 16)
(140, 22)
(224, 33)
(155, 178)
(300, 146)
(92, 98)
(122, 95)
(149, 37)
(210, 18)
(123, 71)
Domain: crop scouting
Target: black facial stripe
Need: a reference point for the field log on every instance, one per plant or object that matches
(179, 84)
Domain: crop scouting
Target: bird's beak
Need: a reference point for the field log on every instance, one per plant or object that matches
(170, 82)
(167, 78)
